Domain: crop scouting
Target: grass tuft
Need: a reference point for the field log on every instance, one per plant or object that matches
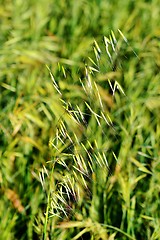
(79, 139)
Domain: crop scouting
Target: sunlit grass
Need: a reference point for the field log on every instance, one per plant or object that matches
(79, 137)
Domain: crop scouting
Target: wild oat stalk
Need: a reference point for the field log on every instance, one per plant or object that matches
(80, 163)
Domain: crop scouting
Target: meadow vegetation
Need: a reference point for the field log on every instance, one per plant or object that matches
(79, 120)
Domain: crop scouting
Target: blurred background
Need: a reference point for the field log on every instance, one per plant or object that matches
(64, 36)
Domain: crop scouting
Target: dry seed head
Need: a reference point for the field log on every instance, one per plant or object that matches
(80, 157)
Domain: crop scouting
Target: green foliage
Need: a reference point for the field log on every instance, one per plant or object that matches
(79, 119)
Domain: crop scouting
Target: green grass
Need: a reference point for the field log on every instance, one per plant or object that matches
(79, 156)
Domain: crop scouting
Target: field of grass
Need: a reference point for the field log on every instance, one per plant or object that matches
(79, 120)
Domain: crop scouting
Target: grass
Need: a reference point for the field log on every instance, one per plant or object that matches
(79, 120)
